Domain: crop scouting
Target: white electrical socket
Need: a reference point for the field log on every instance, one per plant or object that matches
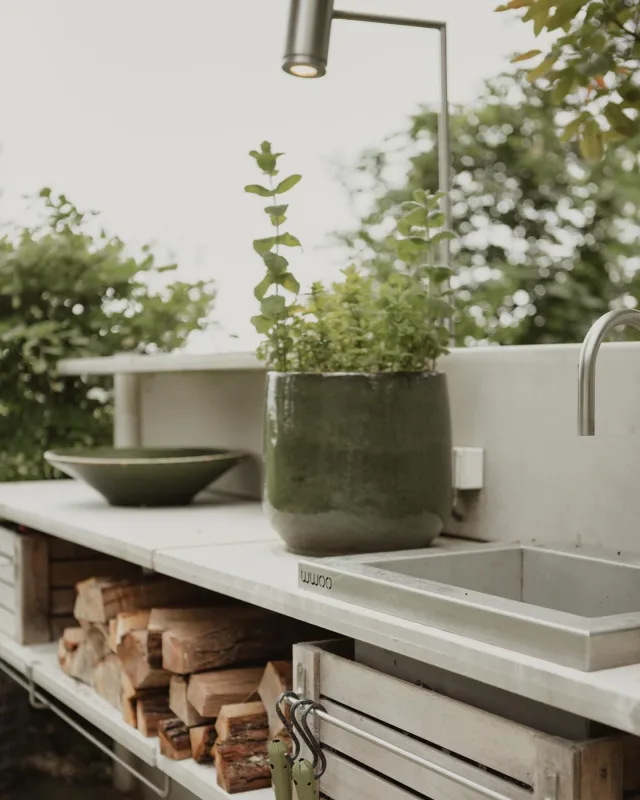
(468, 468)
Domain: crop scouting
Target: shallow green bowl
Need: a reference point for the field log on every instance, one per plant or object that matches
(145, 476)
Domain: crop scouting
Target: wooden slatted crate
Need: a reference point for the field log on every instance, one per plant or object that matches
(485, 750)
(24, 586)
(38, 575)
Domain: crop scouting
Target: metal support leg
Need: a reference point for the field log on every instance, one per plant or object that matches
(127, 428)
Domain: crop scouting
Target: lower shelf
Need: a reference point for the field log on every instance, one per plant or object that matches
(40, 662)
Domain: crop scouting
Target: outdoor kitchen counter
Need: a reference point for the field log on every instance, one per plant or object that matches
(230, 548)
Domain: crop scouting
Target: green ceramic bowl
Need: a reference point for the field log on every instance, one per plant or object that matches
(145, 476)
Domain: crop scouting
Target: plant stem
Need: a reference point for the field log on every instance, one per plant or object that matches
(280, 359)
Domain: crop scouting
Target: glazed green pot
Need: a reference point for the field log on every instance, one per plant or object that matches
(357, 462)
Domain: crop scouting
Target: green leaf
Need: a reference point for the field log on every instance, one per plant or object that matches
(619, 121)
(435, 219)
(263, 287)
(542, 69)
(275, 263)
(525, 56)
(262, 324)
(262, 246)
(414, 219)
(591, 144)
(254, 188)
(566, 11)
(420, 196)
(276, 221)
(288, 282)
(439, 274)
(287, 240)
(287, 183)
(563, 86)
(273, 306)
(442, 236)
(276, 210)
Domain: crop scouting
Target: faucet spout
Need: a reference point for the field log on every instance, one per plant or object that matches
(587, 364)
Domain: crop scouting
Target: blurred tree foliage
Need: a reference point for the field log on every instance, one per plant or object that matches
(545, 242)
(68, 289)
(590, 67)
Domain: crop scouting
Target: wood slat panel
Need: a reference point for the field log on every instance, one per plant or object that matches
(62, 601)
(65, 574)
(32, 589)
(502, 745)
(60, 550)
(7, 571)
(58, 624)
(7, 542)
(399, 769)
(8, 597)
(346, 781)
(7, 623)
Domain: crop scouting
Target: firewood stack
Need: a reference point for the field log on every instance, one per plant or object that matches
(187, 666)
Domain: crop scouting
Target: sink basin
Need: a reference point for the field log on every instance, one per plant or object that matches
(579, 607)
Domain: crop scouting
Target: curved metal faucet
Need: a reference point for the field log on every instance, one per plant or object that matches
(587, 364)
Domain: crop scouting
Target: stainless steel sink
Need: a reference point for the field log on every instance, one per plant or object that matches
(574, 606)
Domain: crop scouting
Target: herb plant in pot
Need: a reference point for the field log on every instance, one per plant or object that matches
(357, 423)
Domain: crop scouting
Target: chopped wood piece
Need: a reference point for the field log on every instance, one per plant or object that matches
(240, 769)
(81, 661)
(162, 618)
(124, 622)
(141, 655)
(107, 680)
(151, 711)
(72, 638)
(209, 691)
(202, 740)
(101, 599)
(129, 710)
(175, 742)
(231, 635)
(277, 678)
(179, 703)
(128, 689)
(243, 721)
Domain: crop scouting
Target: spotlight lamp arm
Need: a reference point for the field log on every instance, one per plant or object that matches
(306, 56)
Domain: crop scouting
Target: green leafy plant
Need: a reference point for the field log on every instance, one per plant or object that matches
(591, 67)
(68, 289)
(360, 323)
(276, 313)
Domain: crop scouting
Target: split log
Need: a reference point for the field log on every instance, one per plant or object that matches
(202, 740)
(124, 622)
(230, 636)
(242, 767)
(243, 722)
(80, 663)
(160, 619)
(179, 702)
(175, 742)
(130, 710)
(209, 691)
(107, 680)
(101, 599)
(150, 712)
(277, 678)
(141, 655)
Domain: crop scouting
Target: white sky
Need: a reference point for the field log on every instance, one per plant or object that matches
(146, 109)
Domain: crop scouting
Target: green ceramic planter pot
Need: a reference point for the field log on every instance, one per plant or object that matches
(356, 462)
